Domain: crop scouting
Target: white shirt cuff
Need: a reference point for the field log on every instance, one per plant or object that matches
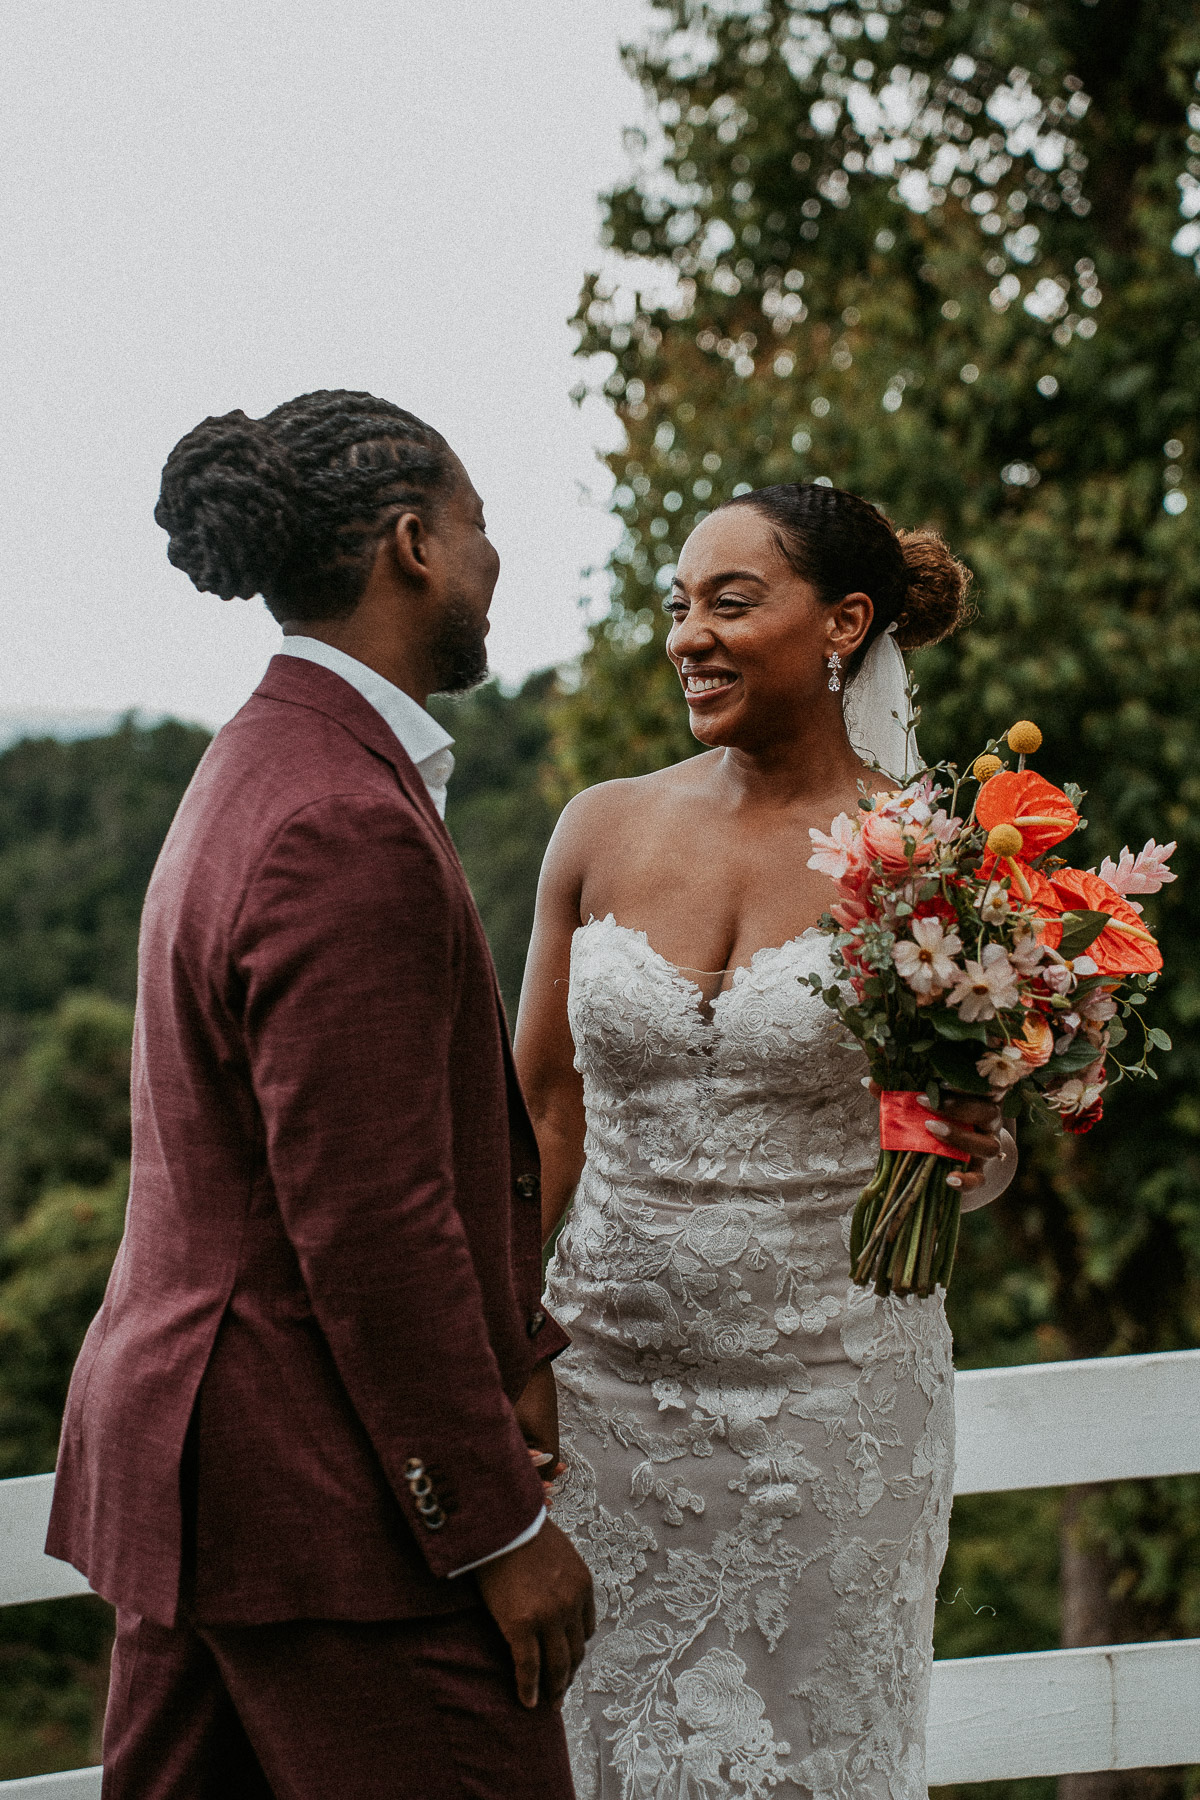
(527, 1536)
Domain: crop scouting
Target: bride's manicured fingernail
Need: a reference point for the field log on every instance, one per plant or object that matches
(938, 1128)
(541, 1458)
(954, 1181)
(925, 1101)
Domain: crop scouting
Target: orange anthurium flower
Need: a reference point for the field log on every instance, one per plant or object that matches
(1026, 886)
(1041, 812)
(1124, 947)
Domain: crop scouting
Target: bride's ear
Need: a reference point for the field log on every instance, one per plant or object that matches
(849, 623)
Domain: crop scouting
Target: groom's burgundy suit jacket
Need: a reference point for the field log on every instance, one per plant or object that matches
(331, 1269)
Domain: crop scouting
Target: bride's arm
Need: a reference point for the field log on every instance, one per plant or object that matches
(544, 1048)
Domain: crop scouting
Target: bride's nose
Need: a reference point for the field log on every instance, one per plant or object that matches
(691, 635)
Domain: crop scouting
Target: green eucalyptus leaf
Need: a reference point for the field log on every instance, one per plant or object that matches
(950, 1025)
(1070, 1062)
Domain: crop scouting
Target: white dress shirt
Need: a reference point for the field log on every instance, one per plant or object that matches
(428, 745)
(418, 731)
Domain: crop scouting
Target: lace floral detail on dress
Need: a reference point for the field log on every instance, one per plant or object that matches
(759, 1454)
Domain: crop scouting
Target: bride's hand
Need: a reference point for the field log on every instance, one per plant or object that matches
(972, 1125)
(969, 1124)
(537, 1415)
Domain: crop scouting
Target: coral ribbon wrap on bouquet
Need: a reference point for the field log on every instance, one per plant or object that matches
(902, 1122)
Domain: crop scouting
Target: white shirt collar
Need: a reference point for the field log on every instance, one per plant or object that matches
(418, 732)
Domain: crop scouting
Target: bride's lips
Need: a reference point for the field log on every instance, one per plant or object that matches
(702, 687)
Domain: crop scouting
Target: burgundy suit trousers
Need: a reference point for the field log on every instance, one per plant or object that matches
(414, 1709)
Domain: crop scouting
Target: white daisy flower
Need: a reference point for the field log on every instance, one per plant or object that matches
(926, 961)
(987, 987)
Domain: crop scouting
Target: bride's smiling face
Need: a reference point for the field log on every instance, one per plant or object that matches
(750, 637)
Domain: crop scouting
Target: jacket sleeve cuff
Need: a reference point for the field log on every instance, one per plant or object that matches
(524, 1537)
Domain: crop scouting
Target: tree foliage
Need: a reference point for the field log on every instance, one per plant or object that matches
(499, 812)
(64, 1115)
(80, 826)
(945, 258)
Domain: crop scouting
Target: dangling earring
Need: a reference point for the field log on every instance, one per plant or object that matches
(835, 680)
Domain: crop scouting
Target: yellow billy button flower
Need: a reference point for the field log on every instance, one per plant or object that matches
(984, 767)
(1004, 840)
(1024, 738)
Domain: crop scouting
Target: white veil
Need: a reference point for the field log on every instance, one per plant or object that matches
(877, 708)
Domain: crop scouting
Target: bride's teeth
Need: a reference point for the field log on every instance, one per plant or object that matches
(700, 684)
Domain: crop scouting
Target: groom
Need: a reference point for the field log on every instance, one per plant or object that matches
(297, 1447)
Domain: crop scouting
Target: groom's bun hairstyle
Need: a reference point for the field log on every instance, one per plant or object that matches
(844, 545)
(292, 506)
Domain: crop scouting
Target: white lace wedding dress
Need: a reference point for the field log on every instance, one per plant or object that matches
(760, 1454)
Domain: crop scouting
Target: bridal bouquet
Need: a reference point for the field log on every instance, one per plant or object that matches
(972, 958)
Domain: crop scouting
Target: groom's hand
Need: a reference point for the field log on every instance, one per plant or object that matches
(541, 1598)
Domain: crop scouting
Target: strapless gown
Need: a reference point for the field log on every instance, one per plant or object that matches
(760, 1454)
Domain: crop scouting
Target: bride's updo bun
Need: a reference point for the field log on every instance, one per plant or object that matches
(292, 506)
(935, 603)
(844, 545)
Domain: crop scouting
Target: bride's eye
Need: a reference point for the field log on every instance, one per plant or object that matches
(674, 609)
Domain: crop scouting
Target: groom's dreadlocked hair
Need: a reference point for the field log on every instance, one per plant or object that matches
(292, 506)
(844, 545)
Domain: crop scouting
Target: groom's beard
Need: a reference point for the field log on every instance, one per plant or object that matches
(459, 651)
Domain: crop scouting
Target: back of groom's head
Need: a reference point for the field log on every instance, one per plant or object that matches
(293, 506)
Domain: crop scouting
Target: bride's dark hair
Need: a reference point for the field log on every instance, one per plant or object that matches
(844, 545)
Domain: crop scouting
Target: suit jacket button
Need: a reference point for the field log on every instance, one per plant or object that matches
(528, 1186)
(535, 1323)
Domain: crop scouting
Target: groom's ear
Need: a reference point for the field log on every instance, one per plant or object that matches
(410, 546)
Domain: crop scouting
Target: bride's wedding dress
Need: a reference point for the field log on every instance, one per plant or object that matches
(760, 1454)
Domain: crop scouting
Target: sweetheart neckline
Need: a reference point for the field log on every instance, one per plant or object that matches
(695, 991)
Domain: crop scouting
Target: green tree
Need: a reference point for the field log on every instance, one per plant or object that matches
(499, 812)
(64, 1148)
(64, 1116)
(80, 827)
(945, 258)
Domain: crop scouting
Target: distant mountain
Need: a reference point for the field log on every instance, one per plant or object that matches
(44, 722)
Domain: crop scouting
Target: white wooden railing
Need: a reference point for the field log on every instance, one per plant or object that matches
(992, 1718)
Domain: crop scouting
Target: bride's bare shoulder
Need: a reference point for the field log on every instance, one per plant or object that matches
(596, 820)
(632, 798)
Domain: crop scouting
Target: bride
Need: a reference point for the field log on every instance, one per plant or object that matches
(759, 1455)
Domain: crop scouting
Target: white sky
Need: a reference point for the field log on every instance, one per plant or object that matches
(217, 203)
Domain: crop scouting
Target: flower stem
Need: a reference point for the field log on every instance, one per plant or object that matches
(934, 1214)
(946, 1259)
(885, 1242)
